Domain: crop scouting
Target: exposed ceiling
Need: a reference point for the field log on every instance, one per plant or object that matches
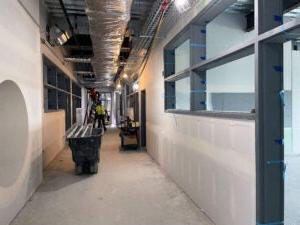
(89, 44)
(107, 36)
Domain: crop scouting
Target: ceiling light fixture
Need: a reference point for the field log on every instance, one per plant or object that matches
(63, 38)
(135, 87)
(119, 86)
(182, 5)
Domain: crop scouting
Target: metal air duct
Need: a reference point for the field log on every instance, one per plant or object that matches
(108, 21)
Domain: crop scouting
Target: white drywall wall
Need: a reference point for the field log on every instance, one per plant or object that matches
(213, 160)
(20, 62)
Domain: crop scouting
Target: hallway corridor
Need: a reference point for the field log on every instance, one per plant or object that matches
(129, 189)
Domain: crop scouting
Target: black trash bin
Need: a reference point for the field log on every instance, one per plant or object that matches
(85, 143)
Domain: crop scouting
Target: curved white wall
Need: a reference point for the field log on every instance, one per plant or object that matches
(20, 62)
(13, 133)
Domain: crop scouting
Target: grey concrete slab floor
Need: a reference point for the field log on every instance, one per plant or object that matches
(130, 189)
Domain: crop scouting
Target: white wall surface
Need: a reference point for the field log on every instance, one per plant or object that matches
(20, 61)
(213, 160)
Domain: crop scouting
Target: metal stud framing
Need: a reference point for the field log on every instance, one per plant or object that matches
(269, 116)
(267, 46)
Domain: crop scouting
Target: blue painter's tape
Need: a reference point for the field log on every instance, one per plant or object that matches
(203, 57)
(279, 141)
(203, 103)
(203, 82)
(278, 18)
(203, 31)
(278, 69)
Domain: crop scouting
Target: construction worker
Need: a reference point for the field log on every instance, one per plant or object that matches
(100, 115)
(93, 94)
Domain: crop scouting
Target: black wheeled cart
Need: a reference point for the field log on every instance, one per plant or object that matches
(85, 143)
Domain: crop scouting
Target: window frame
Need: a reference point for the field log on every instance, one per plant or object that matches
(63, 86)
(267, 46)
(199, 66)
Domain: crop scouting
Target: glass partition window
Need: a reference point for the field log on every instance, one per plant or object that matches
(213, 63)
(230, 87)
(292, 131)
(224, 77)
(182, 56)
(60, 93)
(182, 93)
(227, 30)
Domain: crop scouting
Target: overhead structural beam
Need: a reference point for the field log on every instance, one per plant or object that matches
(78, 60)
(66, 16)
(85, 72)
(68, 21)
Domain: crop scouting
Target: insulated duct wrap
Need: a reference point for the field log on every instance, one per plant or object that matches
(108, 21)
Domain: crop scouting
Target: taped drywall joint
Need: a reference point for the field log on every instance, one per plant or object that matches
(175, 119)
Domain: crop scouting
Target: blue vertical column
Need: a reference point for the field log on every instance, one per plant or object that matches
(269, 116)
(198, 78)
(169, 96)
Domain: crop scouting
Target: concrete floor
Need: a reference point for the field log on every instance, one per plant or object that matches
(130, 189)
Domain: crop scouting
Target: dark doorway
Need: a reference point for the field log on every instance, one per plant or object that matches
(143, 118)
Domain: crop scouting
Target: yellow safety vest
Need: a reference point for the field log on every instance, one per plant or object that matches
(100, 110)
